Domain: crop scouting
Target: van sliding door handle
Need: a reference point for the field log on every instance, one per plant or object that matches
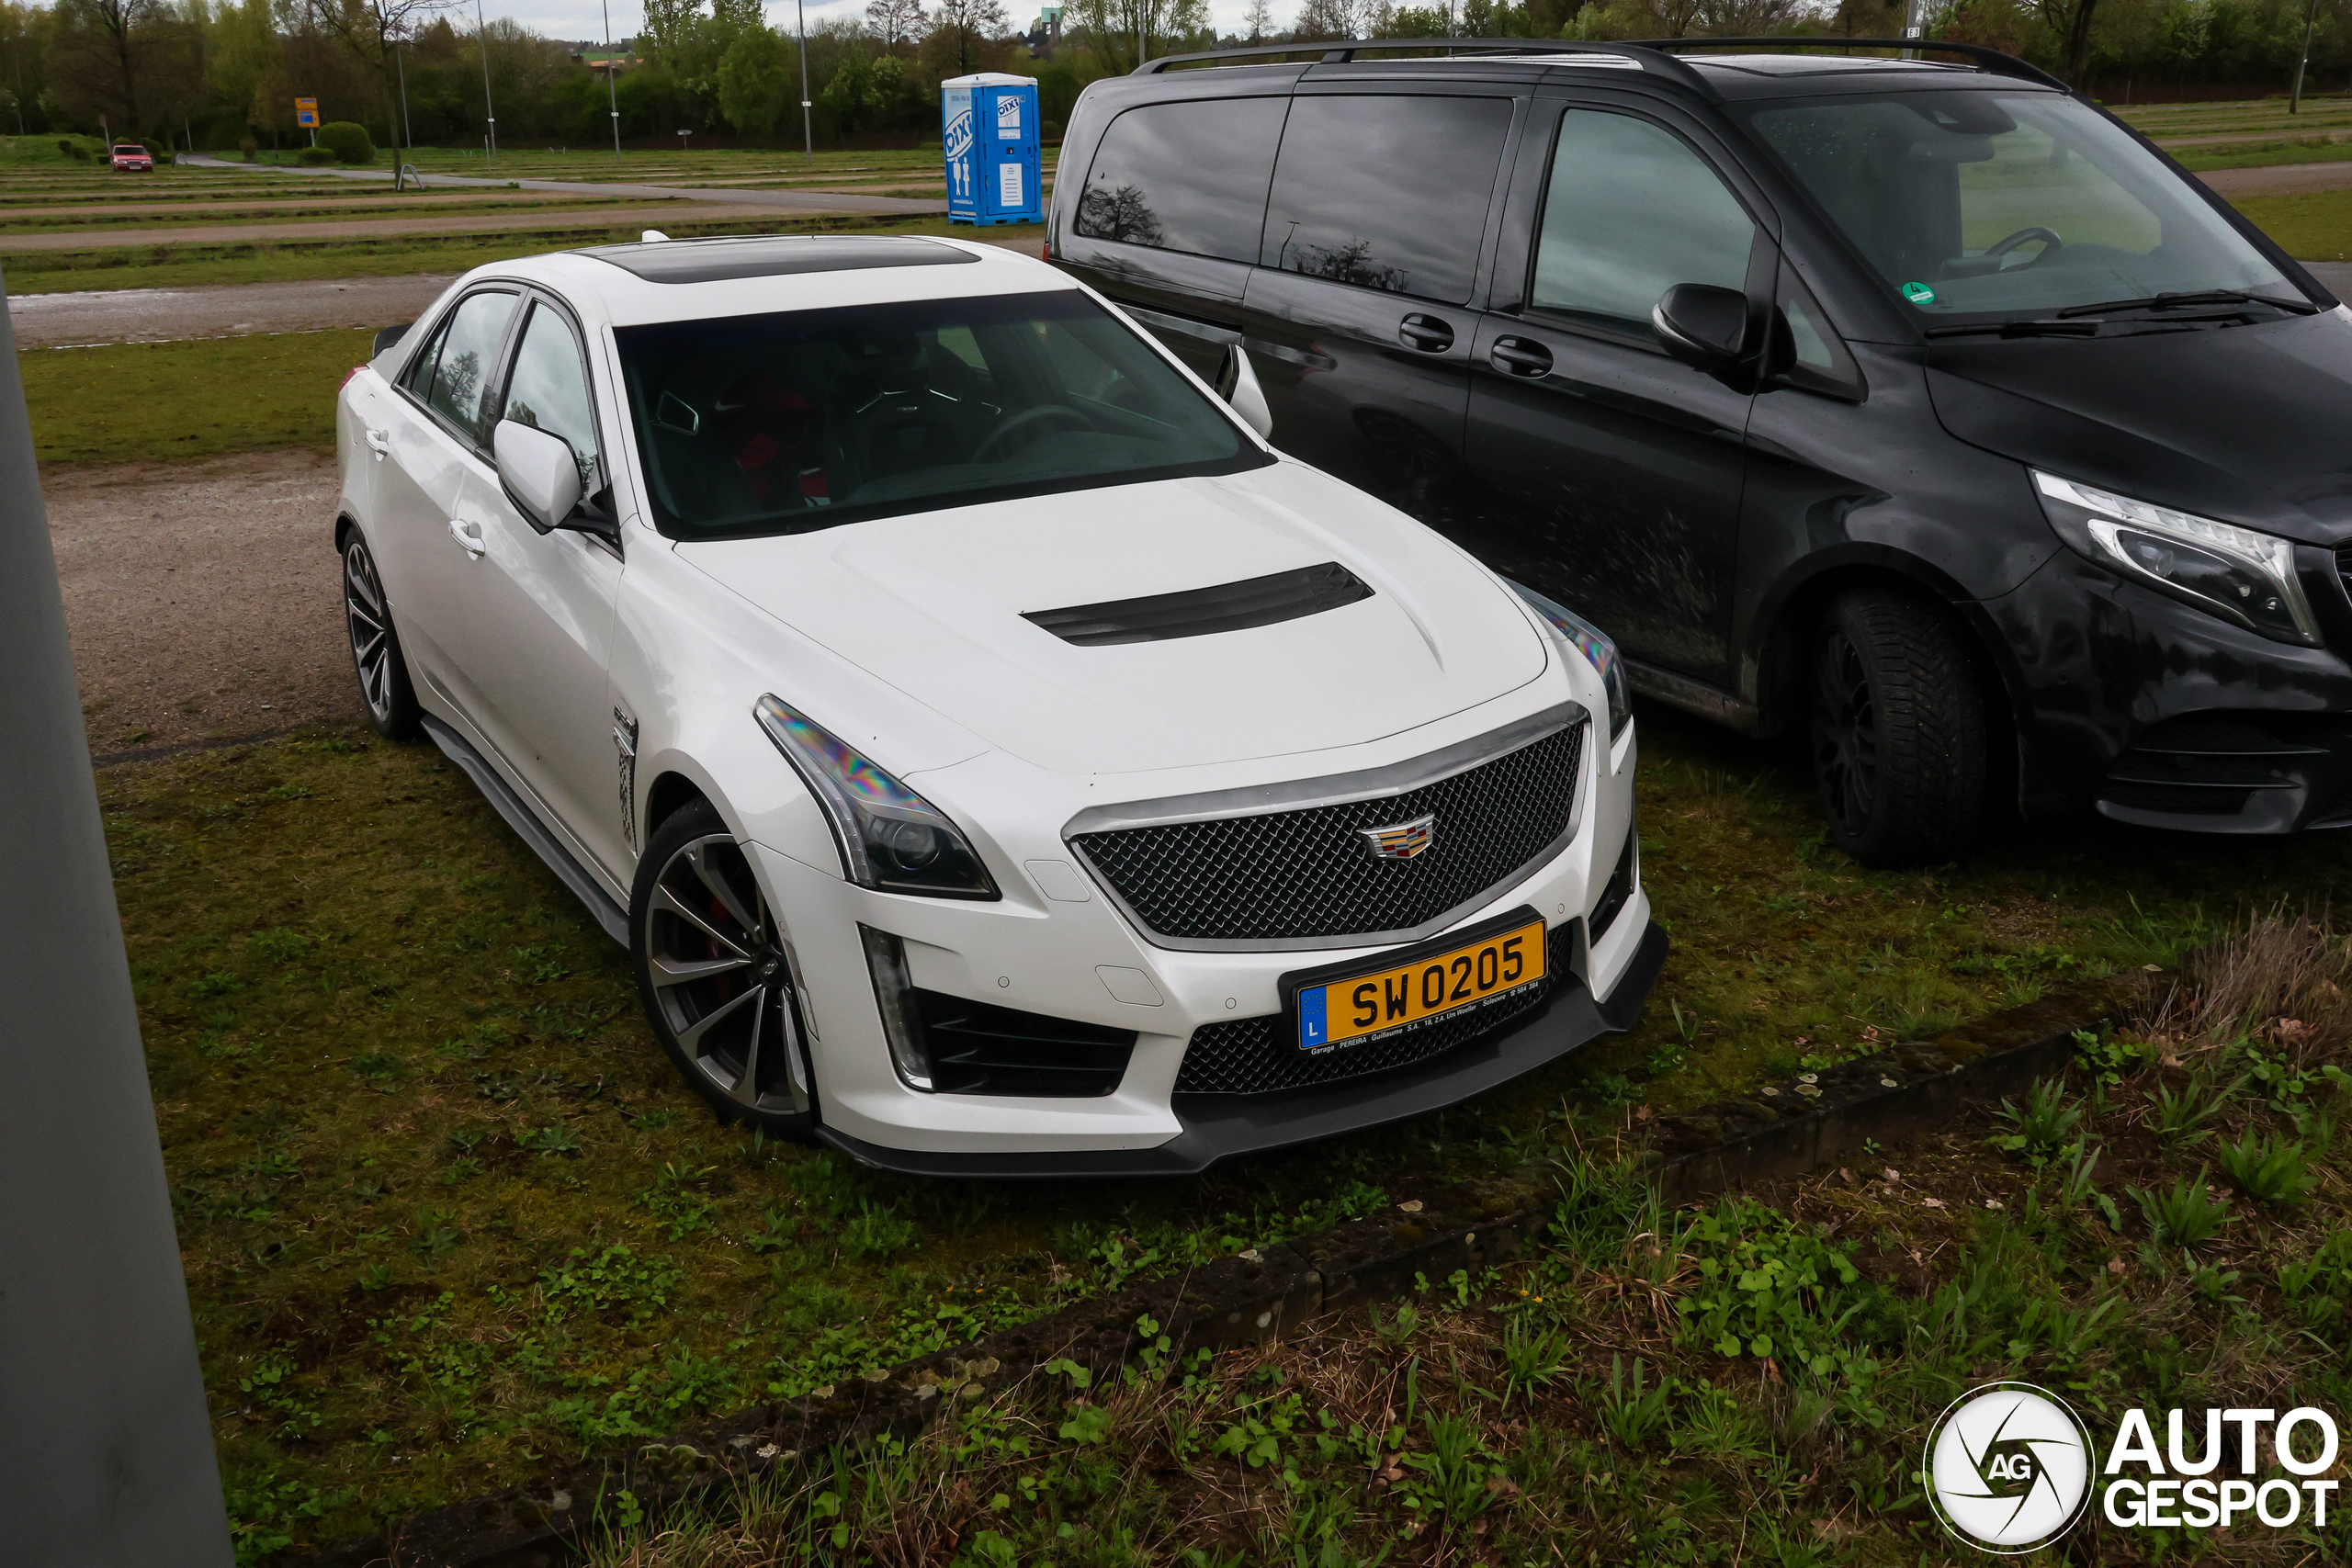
(1431, 334)
(1521, 356)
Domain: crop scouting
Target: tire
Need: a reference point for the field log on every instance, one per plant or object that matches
(1897, 729)
(713, 976)
(375, 658)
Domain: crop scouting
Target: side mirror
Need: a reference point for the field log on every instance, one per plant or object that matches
(388, 336)
(1703, 325)
(538, 471)
(1237, 383)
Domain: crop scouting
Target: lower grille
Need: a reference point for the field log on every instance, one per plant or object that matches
(2205, 765)
(1290, 875)
(1254, 1056)
(978, 1048)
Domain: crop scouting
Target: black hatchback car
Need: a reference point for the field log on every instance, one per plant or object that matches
(1924, 409)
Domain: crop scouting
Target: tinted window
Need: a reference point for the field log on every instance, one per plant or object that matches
(549, 390)
(2009, 201)
(805, 420)
(1385, 193)
(468, 353)
(1184, 176)
(1630, 212)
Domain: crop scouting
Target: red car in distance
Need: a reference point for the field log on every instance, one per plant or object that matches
(131, 156)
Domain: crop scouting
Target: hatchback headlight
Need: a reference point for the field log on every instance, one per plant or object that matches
(2236, 573)
(1594, 643)
(890, 837)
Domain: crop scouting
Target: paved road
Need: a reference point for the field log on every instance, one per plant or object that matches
(162, 315)
(2280, 179)
(792, 200)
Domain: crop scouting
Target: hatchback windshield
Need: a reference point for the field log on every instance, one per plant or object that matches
(1984, 201)
(788, 423)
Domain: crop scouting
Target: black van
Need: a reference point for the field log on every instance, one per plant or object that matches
(1924, 408)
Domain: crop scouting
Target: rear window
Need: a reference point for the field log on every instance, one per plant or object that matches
(791, 423)
(1385, 192)
(1184, 176)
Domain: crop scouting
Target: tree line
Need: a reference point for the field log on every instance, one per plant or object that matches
(220, 73)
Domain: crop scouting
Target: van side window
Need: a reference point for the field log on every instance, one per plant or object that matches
(1386, 192)
(1184, 176)
(1630, 212)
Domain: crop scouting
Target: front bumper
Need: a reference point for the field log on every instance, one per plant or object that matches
(1217, 1127)
(2157, 713)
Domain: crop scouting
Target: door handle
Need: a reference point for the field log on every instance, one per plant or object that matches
(467, 534)
(1521, 356)
(1431, 334)
(380, 443)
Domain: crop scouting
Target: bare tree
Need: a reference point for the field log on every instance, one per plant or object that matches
(1326, 19)
(372, 30)
(1258, 21)
(970, 21)
(2071, 20)
(1113, 26)
(894, 21)
(131, 62)
(1747, 18)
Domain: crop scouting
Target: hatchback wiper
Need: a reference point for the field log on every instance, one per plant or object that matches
(2200, 297)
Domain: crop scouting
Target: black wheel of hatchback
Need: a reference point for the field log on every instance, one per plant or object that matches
(715, 978)
(1898, 728)
(384, 688)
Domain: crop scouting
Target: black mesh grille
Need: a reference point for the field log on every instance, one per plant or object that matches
(1254, 1055)
(1291, 874)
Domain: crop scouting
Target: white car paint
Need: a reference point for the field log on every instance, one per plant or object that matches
(903, 636)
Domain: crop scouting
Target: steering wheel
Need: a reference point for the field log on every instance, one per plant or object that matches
(1034, 419)
(2051, 244)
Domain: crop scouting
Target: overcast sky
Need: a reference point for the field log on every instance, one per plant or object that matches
(582, 20)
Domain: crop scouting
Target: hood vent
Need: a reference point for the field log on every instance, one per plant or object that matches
(1198, 611)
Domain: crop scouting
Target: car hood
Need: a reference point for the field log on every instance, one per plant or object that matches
(934, 603)
(2241, 424)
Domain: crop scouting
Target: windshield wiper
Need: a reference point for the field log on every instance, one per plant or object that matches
(2200, 297)
(2018, 329)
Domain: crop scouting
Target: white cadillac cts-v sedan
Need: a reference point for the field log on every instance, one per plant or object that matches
(998, 759)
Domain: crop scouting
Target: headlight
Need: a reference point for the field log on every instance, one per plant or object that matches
(1594, 643)
(890, 837)
(2233, 573)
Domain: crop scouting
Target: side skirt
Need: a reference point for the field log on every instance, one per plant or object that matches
(531, 831)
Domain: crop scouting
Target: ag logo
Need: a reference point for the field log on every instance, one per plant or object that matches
(2008, 1468)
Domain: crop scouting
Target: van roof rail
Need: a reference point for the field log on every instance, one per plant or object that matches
(1995, 62)
(1659, 54)
(1339, 51)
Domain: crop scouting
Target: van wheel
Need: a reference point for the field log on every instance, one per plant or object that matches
(714, 976)
(1898, 728)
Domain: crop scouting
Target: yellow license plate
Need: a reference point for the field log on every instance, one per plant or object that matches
(1337, 1012)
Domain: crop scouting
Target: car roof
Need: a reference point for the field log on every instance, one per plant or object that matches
(758, 274)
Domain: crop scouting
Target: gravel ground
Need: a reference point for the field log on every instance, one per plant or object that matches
(2278, 179)
(157, 315)
(202, 599)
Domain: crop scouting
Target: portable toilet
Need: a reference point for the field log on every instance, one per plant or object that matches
(990, 139)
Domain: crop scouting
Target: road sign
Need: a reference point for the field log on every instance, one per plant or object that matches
(306, 113)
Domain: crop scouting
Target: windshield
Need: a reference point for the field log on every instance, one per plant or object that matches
(805, 420)
(2016, 202)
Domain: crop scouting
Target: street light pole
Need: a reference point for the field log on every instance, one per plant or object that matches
(489, 110)
(2310, 20)
(408, 127)
(808, 132)
(612, 69)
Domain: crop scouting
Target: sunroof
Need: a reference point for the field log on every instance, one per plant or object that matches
(716, 261)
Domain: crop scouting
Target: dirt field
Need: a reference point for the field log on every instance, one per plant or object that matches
(202, 600)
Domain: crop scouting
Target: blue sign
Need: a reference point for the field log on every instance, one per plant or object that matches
(988, 134)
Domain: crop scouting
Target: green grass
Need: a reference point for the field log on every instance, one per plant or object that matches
(173, 401)
(407, 1104)
(2311, 225)
(2265, 154)
(1751, 1383)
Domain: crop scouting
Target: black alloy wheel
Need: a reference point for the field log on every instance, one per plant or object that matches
(384, 688)
(715, 976)
(1897, 729)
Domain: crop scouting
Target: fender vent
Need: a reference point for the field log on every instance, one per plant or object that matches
(1198, 611)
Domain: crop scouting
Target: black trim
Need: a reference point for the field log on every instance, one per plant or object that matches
(1219, 1127)
(527, 826)
(1198, 611)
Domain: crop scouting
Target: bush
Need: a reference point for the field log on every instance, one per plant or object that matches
(350, 143)
(250, 148)
(156, 151)
(315, 156)
(65, 145)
